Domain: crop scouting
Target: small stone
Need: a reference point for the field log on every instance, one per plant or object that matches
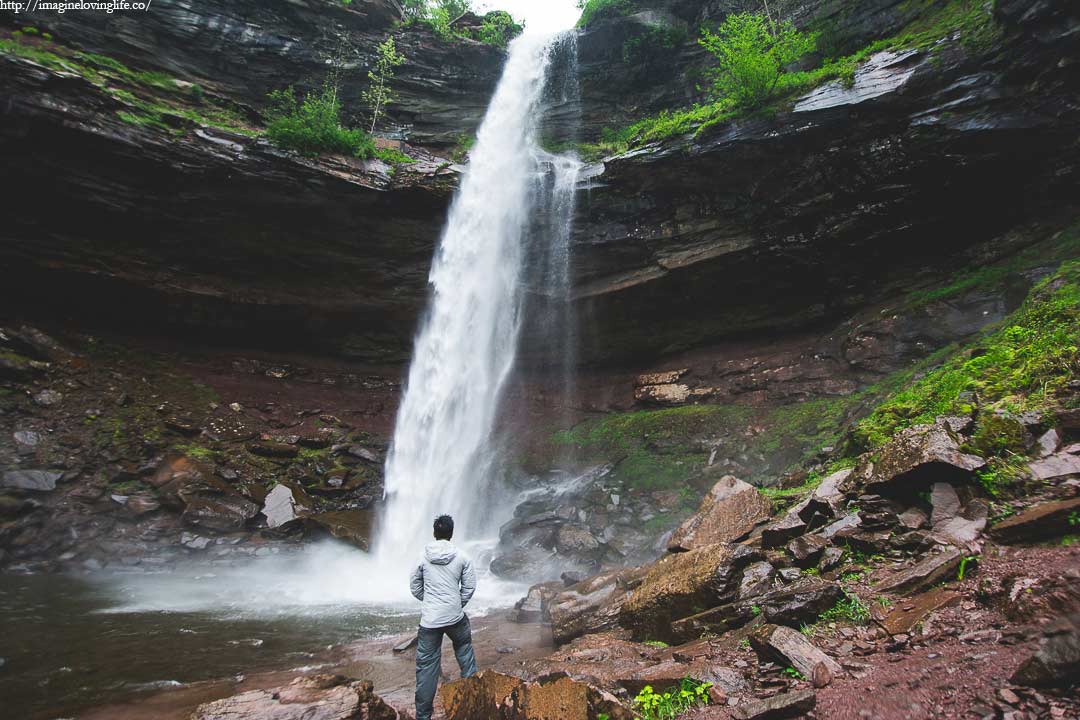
(789, 574)
(28, 438)
(236, 407)
(1008, 696)
(32, 480)
(507, 650)
(48, 398)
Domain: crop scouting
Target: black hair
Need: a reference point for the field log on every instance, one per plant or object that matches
(444, 527)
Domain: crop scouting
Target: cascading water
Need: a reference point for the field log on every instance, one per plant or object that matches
(443, 457)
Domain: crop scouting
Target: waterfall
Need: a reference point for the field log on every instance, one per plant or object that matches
(443, 458)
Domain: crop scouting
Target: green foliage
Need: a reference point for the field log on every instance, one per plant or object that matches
(651, 44)
(198, 452)
(997, 433)
(379, 94)
(1002, 472)
(596, 9)
(498, 29)
(755, 610)
(660, 644)
(313, 126)
(752, 53)
(1020, 365)
(851, 608)
(964, 562)
(465, 143)
(663, 706)
(792, 672)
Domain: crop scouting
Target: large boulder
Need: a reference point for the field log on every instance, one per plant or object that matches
(681, 584)
(316, 697)
(592, 605)
(351, 526)
(284, 504)
(730, 510)
(490, 694)
(919, 456)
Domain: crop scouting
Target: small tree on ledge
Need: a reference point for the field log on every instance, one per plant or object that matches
(753, 52)
(379, 94)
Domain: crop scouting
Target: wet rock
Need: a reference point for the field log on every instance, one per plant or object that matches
(142, 503)
(223, 513)
(1055, 466)
(778, 533)
(274, 449)
(1048, 443)
(1057, 661)
(945, 503)
(677, 584)
(964, 529)
(789, 646)
(913, 519)
(1037, 523)
(27, 439)
(593, 605)
(533, 607)
(831, 558)
(352, 526)
(730, 510)
(929, 571)
(848, 522)
(667, 675)
(778, 707)
(493, 695)
(194, 542)
(48, 398)
(789, 574)
(575, 541)
(757, 579)
(31, 480)
(316, 697)
(362, 453)
(904, 616)
(571, 578)
(919, 456)
(807, 549)
(284, 504)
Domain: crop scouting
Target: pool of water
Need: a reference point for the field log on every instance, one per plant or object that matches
(70, 643)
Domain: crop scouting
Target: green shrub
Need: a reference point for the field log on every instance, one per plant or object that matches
(663, 706)
(851, 608)
(753, 53)
(313, 127)
(498, 29)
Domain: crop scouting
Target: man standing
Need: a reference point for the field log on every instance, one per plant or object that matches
(444, 582)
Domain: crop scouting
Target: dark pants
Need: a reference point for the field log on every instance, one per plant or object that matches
(429, 661)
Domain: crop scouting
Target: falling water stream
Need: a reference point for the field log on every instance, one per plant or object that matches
(78, 642)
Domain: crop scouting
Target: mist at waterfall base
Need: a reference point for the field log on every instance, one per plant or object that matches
(446, 455)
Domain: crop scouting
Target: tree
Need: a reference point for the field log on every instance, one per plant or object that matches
(753, 52)
(379, 94)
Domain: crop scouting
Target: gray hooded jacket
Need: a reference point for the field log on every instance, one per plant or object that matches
(444, 582)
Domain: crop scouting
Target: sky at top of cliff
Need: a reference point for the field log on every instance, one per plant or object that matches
(539, 15)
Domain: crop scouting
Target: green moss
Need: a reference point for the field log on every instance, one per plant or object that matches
(996, 434)
(598, 9)
(198, 452)
(1019, 365)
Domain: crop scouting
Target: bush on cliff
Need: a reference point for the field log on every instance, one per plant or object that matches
(313, 126)
(753, 53)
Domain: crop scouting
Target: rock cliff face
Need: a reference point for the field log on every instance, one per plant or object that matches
(927, 160)
(249, 48)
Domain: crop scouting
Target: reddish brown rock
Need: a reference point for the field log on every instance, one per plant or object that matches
(929, 571)
(1036, 523)
(352, 526)
(909, 613)
(783, 643)
(787, 705)
(316, 697)
(490, 694)
(592, 605)
(730, 510)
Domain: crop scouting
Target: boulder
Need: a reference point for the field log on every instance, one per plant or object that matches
(284, 504)
(757, 579)
(913, 519)
(778, 707)
(792, 648)
(533, 608)
(315, 697)
(919, 456)
(730, 510)
(274, 450)
(807, 549)
(223, 513)
(679, 584)
(1048, 443)
(1057, 661)
(929, 571)
(965, 528)
(575, 540)
(830, 559)
(1057, 465)
(31, 480)
(778, 533)
(1037, 523)
(668, 674)
(593, 605)
(490, 694)
(352, 526)
(945, 503)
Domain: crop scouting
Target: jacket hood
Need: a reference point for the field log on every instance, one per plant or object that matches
(440, 552)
